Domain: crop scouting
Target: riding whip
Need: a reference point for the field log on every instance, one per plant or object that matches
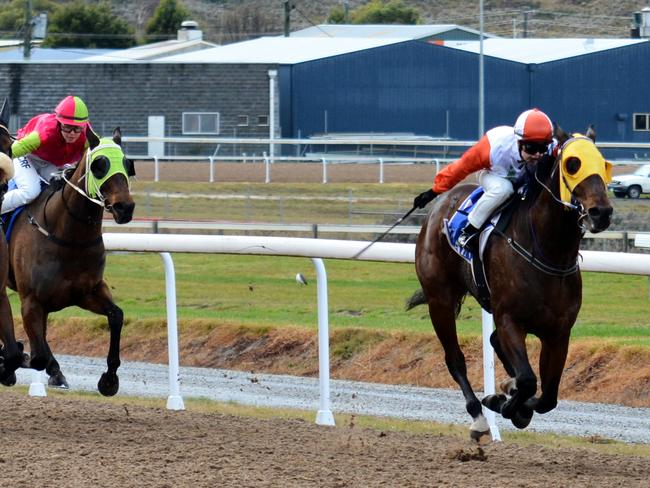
(399, 221)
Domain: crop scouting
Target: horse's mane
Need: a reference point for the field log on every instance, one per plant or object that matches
(535, 176)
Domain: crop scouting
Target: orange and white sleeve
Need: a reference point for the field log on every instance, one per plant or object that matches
(475, 158)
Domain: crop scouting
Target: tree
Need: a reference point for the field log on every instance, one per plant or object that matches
(378, 12)
(12, 16)
(166, 19)
(88, 26)
(245, 22)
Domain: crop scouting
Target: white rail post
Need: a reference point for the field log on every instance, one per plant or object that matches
(174, 401)
(211, 169)
(324, 170)
(324, 415)
(156, 171)
(37, 387)
(381, 170)
(488, 371)
(267, 169)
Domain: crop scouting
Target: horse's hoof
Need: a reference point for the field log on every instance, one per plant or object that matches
(480, 437)
(522, 418)
(58, 381)
(494, 402)
(7, 379)
(108, 384)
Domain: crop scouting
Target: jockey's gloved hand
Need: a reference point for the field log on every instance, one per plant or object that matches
(423, 198)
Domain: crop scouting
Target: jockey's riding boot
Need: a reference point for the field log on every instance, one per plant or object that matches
(468, 238)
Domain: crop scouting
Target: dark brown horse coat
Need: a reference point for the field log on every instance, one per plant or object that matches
(536, 292)
(57, 257)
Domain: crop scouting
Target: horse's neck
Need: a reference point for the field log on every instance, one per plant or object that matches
(550, 227)
(71, 212)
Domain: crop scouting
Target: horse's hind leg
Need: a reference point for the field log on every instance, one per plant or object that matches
(101, 302)
(443, 318)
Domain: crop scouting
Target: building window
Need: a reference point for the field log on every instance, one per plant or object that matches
(242, 120)
(641, 121)
(263, 120)
(201, 123)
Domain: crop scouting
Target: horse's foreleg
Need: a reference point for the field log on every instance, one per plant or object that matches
(11, 352)
(444, 323)
(101, 302)
(551, 365)
(512, 344)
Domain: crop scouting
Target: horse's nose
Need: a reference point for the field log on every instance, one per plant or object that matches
(123, 212)
(600, 217)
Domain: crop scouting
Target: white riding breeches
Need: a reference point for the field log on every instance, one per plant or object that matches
(497, 190)
(27, 177)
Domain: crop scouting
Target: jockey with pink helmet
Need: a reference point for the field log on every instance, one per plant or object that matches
(499, 157)
(43, 146)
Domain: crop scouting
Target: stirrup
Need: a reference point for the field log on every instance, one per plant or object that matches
(465, 239)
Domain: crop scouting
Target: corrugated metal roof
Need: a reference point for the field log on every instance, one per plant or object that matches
(532, 51)
(152, 51)
(380, 31)
(281, 50)
(48, 55)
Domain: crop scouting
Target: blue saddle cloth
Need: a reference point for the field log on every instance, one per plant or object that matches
(9, 218)
(458, 221)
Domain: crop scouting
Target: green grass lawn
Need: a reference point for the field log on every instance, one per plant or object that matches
(261, 290)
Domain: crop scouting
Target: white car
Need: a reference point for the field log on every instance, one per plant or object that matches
(632, 185)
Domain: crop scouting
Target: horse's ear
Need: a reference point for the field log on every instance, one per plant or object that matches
(560, 135)
(117, 136)
(5, 113)
(591, 133)
(93, 139)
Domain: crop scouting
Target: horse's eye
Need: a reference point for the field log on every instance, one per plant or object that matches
(129, 166)
(572, 165)
(100, 166)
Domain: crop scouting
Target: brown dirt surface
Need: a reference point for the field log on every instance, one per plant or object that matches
(59, 442)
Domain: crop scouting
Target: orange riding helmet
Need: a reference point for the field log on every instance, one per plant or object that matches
(534, 125)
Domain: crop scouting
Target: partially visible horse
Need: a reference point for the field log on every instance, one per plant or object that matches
(532, 274)
(11, 352)
(57, 255)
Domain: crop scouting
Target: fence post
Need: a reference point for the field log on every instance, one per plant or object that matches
(267, 169)
(324, 170)
(488, 371)
(211, 169)
(174, 400)
(381, 170)
(324, 415)
(156, 171)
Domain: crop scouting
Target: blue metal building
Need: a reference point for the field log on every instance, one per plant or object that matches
(431, 89)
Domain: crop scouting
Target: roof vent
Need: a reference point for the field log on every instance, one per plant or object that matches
(189, 31)
(641, 23)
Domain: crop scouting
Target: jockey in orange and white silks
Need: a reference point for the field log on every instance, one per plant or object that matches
(43, 146)
(499, 157)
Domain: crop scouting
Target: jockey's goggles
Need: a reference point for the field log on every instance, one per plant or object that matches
(533, 148)
(71, 128)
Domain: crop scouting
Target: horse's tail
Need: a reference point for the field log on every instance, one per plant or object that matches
(416, 299)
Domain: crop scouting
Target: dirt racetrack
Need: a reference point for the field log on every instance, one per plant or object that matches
(55, 442)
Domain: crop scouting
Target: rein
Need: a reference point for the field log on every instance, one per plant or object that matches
(534, 261)
(90, 221)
